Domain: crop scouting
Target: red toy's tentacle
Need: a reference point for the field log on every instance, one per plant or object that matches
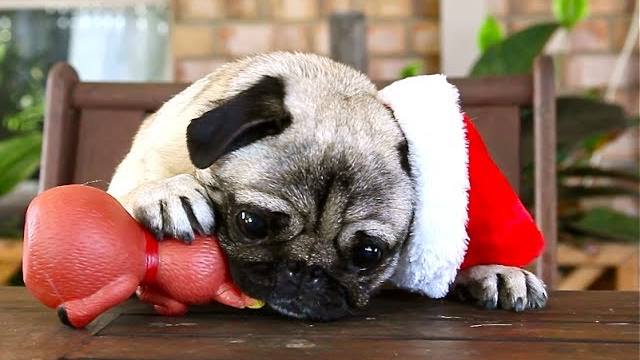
(80, 312)
(163, 304)
(229, 294)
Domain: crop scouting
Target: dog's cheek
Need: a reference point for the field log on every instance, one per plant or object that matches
(360, 298)
(256, 280)
(363, 287)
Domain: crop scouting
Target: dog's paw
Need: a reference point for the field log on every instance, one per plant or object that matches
(508, 287)
(177, 207)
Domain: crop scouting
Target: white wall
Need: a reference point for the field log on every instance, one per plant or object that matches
(459, 24)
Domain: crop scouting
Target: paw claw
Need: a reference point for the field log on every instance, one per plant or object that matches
(173, 208)
(510, 288)
(491, 304)
(519, 306)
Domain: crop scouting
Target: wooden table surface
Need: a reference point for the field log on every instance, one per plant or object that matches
(575, 325)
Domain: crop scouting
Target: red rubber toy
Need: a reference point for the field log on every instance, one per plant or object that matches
(84, 254)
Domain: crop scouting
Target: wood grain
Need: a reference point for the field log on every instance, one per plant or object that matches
(104, 139)
(60, 127)
(575, 325)
(338, 348)
(124, 96)
(544, 154)
(499, 127)
(580, 278)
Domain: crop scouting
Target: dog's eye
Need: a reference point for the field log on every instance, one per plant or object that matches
(366, 254)
(252, 225)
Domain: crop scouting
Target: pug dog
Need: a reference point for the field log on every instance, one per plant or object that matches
(302, 172)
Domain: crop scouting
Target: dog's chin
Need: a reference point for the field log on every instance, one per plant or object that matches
(319, 298)
(310, 310)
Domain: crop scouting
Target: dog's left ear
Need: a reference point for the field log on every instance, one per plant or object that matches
(249, 116)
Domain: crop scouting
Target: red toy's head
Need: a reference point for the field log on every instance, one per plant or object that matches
(84, 254)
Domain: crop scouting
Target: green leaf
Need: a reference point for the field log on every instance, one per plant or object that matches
(19, 159)
(569, 12)
(410, 70)
(490, 34)
(578, 120)
(515, 54)
(609, 224)
(28, 119)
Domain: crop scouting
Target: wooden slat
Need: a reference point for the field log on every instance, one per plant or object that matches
(326, 348)
(568, 317)
(36, 334)
(10, 256)
(627, 275)
(395, 325)
(564, 306)
(602, 255)
(495, 91)
(105, 137)
(581, 278)
(584, 325)
(499, 127)
(592, 307)
(490, 91)
(122, 96)
(545, 190)
(60, 127)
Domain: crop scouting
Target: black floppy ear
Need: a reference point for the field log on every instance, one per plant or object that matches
(249, 116)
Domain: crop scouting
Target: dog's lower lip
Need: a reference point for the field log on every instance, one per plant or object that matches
(285, 311)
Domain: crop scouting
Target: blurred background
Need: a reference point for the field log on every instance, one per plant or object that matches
(594, 45)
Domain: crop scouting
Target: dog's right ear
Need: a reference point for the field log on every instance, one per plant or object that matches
(253, 114)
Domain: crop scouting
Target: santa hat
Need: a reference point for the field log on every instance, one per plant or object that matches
(466, 212)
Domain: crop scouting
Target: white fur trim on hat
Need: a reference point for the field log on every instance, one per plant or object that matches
(428, 112)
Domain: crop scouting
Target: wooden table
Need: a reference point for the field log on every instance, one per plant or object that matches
(575, 325)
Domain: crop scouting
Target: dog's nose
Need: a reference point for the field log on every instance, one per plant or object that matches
(315, 272)
(297, 270)
(294, 268)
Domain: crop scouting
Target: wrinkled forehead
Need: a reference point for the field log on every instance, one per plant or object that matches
(302, 173)
(358, 117)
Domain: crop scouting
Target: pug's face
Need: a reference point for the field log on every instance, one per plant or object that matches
(309, 177)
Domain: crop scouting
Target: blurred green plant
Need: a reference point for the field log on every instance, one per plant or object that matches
(21, 111)
(490, 34)
(584, 125)
(569, 12)
(515, 54)
(21, 114)
(412, 69)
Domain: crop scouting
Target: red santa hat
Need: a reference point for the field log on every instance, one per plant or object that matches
(466, 212)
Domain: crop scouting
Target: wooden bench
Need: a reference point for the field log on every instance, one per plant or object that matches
(88, 131)
(575, 325)
(89, 127)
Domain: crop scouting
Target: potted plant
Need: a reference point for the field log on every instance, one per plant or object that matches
(21, 113)
(585, 124)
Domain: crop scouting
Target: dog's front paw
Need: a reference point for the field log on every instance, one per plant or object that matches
(509, 287)
(177, 207)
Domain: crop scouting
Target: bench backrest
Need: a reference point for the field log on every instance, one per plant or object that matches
(89, 128)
